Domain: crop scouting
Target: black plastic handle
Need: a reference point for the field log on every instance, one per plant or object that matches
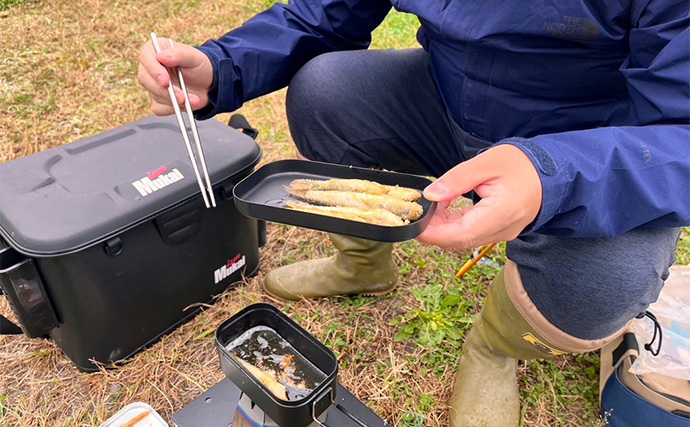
(239, 122)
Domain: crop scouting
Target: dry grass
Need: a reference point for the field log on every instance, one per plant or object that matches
(67, 71)
(40, 387)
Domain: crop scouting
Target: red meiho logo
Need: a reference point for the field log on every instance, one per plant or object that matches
(230, 267)
(158, 172)
(233, 260)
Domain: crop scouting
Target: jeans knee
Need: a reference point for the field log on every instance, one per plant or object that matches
(312, 103)
(315, 86)
(591, 288)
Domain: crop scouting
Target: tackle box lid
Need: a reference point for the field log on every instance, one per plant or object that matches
(64, 199)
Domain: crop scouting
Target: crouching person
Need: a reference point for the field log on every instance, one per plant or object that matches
(570, 123)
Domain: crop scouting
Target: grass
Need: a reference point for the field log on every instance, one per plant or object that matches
(6, 4)
(683, 250)
(68, 71)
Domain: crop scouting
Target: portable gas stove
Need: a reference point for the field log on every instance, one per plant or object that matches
(225, 405)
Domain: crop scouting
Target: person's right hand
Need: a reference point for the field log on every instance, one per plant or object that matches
(153, 75)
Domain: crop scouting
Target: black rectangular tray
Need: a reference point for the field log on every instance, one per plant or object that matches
(297, 413)
(262, 194)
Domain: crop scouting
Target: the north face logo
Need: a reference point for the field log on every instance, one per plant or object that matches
(573, 28)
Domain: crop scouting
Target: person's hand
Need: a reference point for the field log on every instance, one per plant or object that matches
(153, 75)
(511, 194)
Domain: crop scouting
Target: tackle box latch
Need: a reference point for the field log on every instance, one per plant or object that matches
(179, 224)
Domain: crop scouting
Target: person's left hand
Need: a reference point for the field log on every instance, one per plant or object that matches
(510, 188)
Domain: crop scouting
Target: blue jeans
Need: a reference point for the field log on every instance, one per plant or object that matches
(382, 109)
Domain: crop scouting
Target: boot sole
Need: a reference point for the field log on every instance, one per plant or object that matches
(364, 294)
(378, 294)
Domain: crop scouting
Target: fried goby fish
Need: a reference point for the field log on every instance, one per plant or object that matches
(368, 215)
(267, 378)
(405, 210)
(357, 186)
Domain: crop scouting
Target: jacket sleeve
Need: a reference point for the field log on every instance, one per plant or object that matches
(262, 55)
(604, 182)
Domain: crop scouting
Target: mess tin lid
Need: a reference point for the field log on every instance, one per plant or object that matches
(67, 198)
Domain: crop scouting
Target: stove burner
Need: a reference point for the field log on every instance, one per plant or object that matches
(224, 405)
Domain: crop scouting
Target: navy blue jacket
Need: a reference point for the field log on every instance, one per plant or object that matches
(596, 93)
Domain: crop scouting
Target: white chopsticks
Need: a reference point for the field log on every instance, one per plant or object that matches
(205, 186)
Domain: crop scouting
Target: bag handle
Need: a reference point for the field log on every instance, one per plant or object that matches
(7, 327)
(627, 348)
(613, 354)
(624, 347)
(239, 122)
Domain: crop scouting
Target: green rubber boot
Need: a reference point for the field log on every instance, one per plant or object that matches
(486, 389)
(359, 267)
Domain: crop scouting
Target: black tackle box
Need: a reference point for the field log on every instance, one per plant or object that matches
(106, 243)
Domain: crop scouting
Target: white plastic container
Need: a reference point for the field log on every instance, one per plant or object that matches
(132, 411)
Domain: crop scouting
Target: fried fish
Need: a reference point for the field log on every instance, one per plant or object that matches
(357, 186)
(405, 210)
(403, 193)
(368, 215)
(267, 378)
